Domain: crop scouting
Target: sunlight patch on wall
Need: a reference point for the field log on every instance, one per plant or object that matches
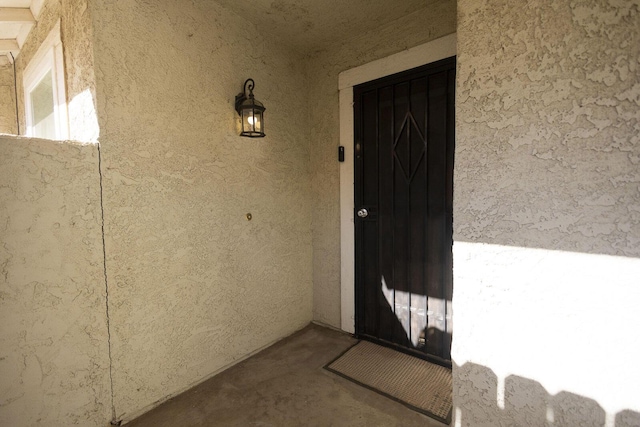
(83, 120)
(551, 318)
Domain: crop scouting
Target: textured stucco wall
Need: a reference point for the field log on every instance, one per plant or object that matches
(54, 366)
(7, 101)
(75, 28)
(547, 213)
(193, 285)
(323, 67)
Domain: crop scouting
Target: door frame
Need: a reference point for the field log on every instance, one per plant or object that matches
(427, 53)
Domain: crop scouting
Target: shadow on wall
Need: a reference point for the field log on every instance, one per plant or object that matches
(479, 401)
(585, 208)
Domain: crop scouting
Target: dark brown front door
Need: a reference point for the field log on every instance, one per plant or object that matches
(404, 144)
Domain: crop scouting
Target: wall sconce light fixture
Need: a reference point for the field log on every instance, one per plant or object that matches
(251, 112)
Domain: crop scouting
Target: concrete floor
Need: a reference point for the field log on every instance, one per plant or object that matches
(285, 385)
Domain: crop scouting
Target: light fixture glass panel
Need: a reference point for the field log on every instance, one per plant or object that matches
(258, 122)
(255, 121)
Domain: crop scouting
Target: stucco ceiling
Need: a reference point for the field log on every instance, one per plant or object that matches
(16, 20)
(305, 25)
(310, 25)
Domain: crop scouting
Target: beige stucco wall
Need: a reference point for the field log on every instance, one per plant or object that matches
(546, 221)
(75, 28)
(193, 285)
(7, 100)
(323, 67)
(547, 214)
(54, 366)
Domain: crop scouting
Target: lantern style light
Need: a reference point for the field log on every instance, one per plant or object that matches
(251, 112)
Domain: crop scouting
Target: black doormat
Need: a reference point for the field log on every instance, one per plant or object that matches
(416, 383)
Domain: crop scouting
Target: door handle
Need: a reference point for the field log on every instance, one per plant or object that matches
(363, 213)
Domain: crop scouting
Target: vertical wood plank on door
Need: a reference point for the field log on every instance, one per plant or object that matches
(436, 211)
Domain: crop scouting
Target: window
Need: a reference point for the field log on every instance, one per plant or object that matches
(44, 90)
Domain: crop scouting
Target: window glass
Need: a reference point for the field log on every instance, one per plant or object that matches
(44, 90)
(42, 108)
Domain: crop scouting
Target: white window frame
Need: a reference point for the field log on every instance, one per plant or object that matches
(49, 57)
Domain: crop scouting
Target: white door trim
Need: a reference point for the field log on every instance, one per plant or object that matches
(432, 51)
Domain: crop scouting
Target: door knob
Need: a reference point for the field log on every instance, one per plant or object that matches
(363, 213)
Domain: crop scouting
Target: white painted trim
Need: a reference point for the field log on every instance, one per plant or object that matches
(25, 29)
(347, 230)
(16, 14)
(36, 7)
(441, 48)
(8, 44)
(432, 51)
(48, 57)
